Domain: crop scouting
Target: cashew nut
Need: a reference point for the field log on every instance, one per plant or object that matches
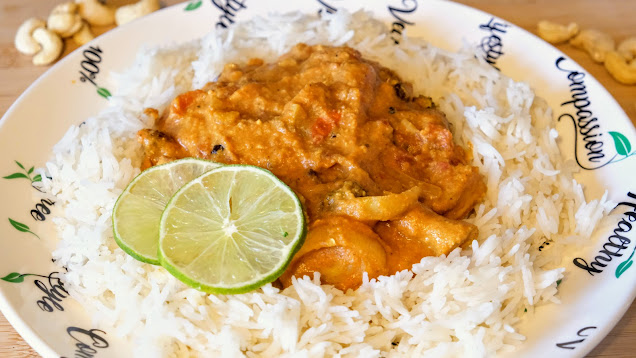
(51, 45)
(618, 67)
(24, 41)
(64, 20)
(556, 33)
(84, 35)
(130, 12)
(66, 7)
(595, 42)
(96, 13)
(627, 48)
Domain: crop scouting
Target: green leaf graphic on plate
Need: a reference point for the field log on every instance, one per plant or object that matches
(16, 175)
(13, 277)
(19, 226)
(22, 227)
(103, 92)
(623, 147)
(623, 267)
(25, 175)
(193, 5)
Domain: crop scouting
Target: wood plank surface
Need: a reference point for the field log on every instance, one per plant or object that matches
(616, 17)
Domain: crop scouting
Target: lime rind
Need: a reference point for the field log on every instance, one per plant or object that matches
(136, 221)
(176, 262)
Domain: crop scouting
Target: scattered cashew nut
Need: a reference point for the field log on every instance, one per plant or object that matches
(627, 48)
(556, 33)
(24, 40)
(595, 42)
(620, 69)
(64, 20)
(96, 13)
(84, 35)
(130, 12)
(51, 46)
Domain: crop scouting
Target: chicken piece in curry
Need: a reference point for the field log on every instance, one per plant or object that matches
(381, 180)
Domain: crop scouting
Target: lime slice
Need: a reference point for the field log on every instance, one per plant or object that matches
(138, 210)
(231, 230)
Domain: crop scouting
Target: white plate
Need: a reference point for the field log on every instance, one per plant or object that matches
(55, 325)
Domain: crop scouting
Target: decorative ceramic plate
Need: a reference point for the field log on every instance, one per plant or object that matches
(601, 283)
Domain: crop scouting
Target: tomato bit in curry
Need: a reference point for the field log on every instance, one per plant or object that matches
(382, 182)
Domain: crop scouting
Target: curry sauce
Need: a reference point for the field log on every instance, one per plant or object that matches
(381, 180)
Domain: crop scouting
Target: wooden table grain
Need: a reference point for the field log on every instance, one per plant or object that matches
(615, 17)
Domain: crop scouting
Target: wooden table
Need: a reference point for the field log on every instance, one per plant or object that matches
(615, 17)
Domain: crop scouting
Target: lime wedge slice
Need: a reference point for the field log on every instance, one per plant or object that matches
(231, 230)
(138, 210)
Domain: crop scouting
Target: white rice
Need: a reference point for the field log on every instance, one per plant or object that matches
(463, 305)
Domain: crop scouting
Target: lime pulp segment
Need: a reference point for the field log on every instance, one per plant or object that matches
(231, 230)
(137, 212)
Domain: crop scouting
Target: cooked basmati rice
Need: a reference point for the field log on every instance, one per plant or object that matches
(464, 305)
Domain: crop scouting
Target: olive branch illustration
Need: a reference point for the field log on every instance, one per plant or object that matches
(26, 174)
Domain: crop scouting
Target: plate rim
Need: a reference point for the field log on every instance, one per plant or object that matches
(39, 344)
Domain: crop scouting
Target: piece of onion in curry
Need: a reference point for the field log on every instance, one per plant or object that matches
(381, 180)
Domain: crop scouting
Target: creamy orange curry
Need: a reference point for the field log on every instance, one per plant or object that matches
(381, 180)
